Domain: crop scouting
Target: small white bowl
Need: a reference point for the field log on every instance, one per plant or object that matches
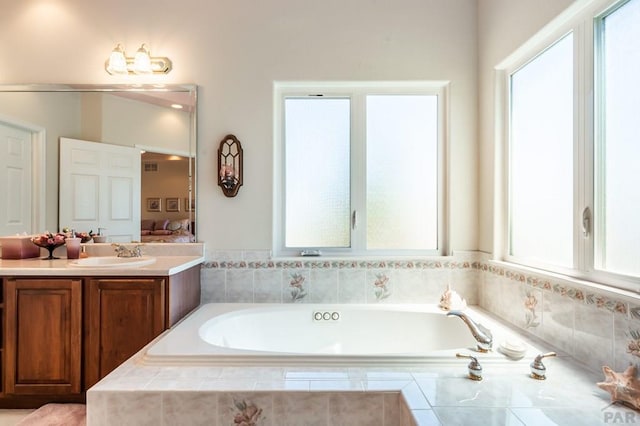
(99, 238)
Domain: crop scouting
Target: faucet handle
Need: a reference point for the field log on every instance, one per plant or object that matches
(538, 370)
(474, 367)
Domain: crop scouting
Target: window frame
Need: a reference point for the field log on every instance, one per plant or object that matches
(357, 92)
(584, 20)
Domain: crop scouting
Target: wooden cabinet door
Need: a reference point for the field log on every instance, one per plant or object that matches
(123, 315)
(43, 336)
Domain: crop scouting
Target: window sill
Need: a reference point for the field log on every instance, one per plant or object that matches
(627, 295)
(461, 255)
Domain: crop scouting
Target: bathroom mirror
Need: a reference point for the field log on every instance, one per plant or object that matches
(159, 120)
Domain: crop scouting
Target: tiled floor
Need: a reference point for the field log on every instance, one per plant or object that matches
(11, 417)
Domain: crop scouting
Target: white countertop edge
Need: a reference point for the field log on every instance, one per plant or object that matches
(164, 265)
(186, 265)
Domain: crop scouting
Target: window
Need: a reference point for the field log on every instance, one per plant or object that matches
(317, 169)
(360, 169)
(541, 150)
(618, 143)
(571, 136)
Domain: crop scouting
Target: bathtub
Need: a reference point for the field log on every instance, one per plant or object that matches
(323, 334)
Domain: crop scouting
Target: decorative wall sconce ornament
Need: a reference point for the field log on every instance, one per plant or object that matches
(230, 165)
(141, 63)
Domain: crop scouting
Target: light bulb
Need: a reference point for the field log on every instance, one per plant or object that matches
(117, 63)
(142, 61)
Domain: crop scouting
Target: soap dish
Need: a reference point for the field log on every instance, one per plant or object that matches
(513, 348)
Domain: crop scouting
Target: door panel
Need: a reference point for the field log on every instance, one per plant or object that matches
(15, 180)
(100, 188)
(122, 316)
(43, 336)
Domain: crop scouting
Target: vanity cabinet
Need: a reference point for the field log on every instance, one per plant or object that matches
(122, 316)
(63, 334)
(43, 336)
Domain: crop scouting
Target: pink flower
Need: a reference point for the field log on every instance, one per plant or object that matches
(530, 302)
(248, 415)
(227, 170)
(633, 347)
(296, 280)
(381, 280)
(48, 239)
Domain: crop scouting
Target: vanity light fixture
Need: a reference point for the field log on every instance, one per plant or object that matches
(141, 63)
(230, 165)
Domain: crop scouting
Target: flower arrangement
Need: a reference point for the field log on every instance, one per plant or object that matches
(227, 176)
(227, 170)
(84, 236)
(49, 241)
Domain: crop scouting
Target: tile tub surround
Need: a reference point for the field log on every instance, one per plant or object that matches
(595, 325)
(247, 277)
(430, 394)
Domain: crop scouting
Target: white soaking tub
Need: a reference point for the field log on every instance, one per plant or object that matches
(322, 334)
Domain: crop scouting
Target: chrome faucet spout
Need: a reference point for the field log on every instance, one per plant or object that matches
(122, 251)
(482, 334)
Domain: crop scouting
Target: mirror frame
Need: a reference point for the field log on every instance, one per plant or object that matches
(39, 142)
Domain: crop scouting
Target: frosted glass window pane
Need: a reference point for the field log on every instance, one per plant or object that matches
(317, 172)
(402, 172)
(541, 163)
(620, 238)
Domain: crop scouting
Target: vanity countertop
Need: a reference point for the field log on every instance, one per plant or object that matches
(163, 266)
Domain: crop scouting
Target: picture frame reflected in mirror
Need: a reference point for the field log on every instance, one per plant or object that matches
(172, 204)
(154, 204)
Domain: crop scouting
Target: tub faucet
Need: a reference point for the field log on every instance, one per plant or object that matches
(122, 251)
(483, 335)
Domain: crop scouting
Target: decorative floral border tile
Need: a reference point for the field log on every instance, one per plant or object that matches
(633, 342)
(246, 413)
(381, 286)
(343, 264)
(600, 301)
(296, 285)
(531, 319)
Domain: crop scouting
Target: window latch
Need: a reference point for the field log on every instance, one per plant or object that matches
(586, 222)
(354, 219)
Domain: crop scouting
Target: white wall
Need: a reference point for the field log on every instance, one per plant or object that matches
(503, 25)
(59, 114)
(234, 50)
(131, 122)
